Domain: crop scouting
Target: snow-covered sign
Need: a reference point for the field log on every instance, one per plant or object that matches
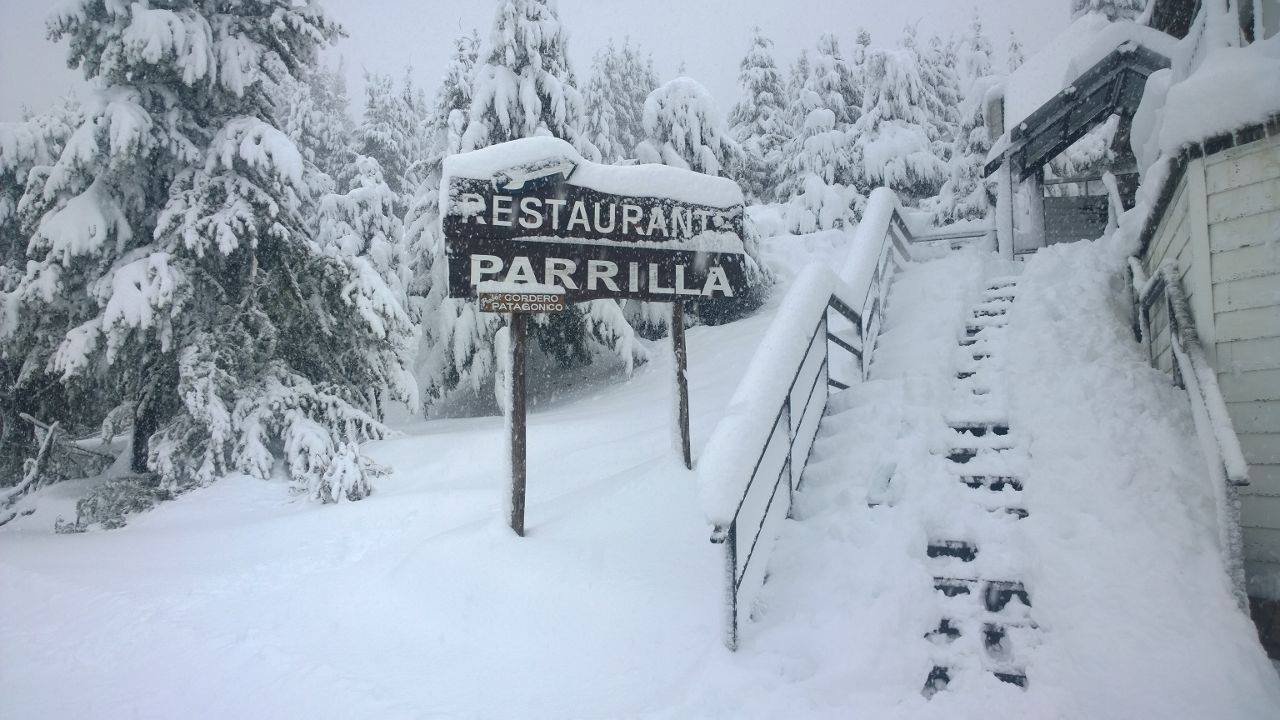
(534, 211)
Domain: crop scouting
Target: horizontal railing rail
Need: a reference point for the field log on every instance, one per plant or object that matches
(1228, 470)
(821, 338)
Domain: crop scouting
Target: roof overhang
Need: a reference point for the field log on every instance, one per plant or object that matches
(1113, 86)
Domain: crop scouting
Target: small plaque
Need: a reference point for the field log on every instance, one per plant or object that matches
(521, 302)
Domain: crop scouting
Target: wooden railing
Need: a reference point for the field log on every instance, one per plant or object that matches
(754, 462)
(1161, 296)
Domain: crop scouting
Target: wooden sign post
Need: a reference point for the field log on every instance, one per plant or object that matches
(681, 362)
(518, 303)
(531, 226)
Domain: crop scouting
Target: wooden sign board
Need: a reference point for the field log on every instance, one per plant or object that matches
(529, 226)
(647, 232)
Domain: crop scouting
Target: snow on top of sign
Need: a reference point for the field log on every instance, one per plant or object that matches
(1081, 46)
(633, 180)
(499, 286)
(709, 241)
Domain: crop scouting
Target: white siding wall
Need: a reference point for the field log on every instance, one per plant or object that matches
(1223, 226)
(1244, 234)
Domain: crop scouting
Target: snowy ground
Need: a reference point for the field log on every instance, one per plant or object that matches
(242, 601)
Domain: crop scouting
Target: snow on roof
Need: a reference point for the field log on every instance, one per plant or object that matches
(647, 180)
(1232, 88)
(1081, 46)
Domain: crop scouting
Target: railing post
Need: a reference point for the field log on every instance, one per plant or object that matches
(731, 587)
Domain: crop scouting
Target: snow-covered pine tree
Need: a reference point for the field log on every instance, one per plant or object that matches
(1112, 9)
(857, 65)
(638, 79)
(601, 115)
(1016, 55)
(759, 121)
(526, 86)
(427, 288)
(819, 167)
(798, 74)
(26, 148)
(818, 160)
(938, 68)
(832, 82)
(894, 138)
(174, 262)
(523, 87)
(317, 118)
(621, 79)
(964, 194)
(390, 133)
(683, 129)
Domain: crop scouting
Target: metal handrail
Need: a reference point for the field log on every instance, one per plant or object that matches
(801, 404)
(1228, 470)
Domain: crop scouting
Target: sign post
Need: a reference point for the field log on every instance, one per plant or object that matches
(530, 227)
(518, 322)
(681, 361)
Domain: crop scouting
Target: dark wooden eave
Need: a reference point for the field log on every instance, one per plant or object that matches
(1174, 17)
(1113, 86)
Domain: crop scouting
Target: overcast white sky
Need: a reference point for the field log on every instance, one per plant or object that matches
(709, 37)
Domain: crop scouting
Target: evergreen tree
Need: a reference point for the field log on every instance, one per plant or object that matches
(965, 194)
(759, 121)
(684, 130)
(831, 82)
(621, 79)
(173, 260)
(1015, 53)
(27, 148)
(524, 87)
(601, 113)
(428, 284)
(389, 133)
(1112, 9)
(317, 118)
(820, 171)
(942, 86)
(820, 162)
(895, 137)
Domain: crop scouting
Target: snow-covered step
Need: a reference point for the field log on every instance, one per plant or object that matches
(963, 454)
(991, 310)
(994, 483)
(1001, 283)
(939, 678)
(987, 321)
(961, 550)
(980, 429)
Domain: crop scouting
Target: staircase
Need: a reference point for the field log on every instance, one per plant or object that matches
(984, 615)
(998, 509)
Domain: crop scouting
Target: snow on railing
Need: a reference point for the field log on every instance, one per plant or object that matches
(1227, 467)
(754, 461)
